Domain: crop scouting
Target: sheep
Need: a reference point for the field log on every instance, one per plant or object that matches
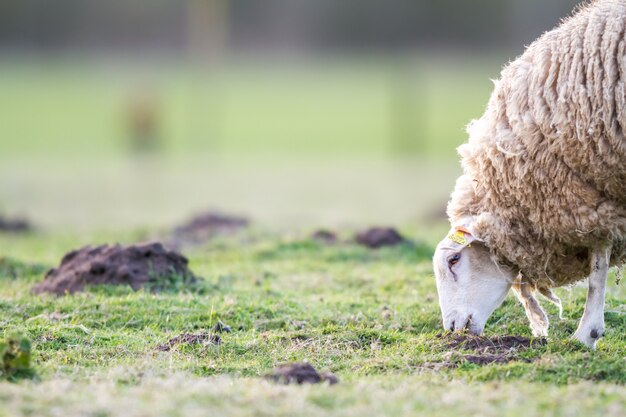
(541, 202)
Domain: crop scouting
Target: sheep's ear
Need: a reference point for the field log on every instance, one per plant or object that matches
(461, 235)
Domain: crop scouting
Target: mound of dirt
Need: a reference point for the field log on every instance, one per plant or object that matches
(205, 339)
(300, 373)
(17, 225)
(378, 237)
(205, 226)
(490, 344)
(498, 349)
(324, 236)
(148, 264)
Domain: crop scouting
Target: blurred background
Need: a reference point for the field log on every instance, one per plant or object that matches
(136, 113)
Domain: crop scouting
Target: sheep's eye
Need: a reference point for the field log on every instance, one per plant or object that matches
(454, 259)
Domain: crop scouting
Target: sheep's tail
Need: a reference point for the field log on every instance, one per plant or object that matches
(550, 296)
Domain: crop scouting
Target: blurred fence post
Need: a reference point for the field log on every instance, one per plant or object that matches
(207, 29)
(408, 105)
(207, 41)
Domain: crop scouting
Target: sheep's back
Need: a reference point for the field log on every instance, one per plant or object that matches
(576, 97)
(545, 166)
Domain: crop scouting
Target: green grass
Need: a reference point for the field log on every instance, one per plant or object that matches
(329, 106)
(369, 316)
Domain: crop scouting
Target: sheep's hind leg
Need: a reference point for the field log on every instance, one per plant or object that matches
(536, 315)
(591, 326)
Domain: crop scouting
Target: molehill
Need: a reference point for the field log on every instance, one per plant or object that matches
(144, 265)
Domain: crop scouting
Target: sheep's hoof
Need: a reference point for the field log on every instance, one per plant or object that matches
(589, 337)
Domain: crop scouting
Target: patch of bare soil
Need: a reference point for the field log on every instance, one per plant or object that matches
(143, 265)
(490, 344)
(300, 373)
(206, 226)
(15, 225)
(378, 237)
(205, 339)
(324, 236)
(498, 349)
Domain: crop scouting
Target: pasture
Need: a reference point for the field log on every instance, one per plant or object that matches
(263, 142)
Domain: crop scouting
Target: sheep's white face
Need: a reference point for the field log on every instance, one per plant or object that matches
(469, 283)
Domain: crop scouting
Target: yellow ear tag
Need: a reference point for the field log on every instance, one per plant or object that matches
(458, 237)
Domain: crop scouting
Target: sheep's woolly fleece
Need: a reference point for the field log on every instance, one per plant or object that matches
(545, 166)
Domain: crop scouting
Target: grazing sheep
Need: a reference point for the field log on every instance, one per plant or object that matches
(543, 194)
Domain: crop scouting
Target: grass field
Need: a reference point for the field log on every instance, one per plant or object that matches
(369, 316)
(294, 149)
(303, 143)
(336, 106)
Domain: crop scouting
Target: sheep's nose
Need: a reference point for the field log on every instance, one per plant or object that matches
(459, 322)
(468, 323)
(449, 321)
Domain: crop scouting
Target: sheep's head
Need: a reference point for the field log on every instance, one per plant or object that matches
(470, 283)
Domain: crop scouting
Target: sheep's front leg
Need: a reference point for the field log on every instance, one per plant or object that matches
(591, 326)
(536, 316)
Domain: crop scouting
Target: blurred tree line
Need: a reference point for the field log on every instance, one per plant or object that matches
(173, 26)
